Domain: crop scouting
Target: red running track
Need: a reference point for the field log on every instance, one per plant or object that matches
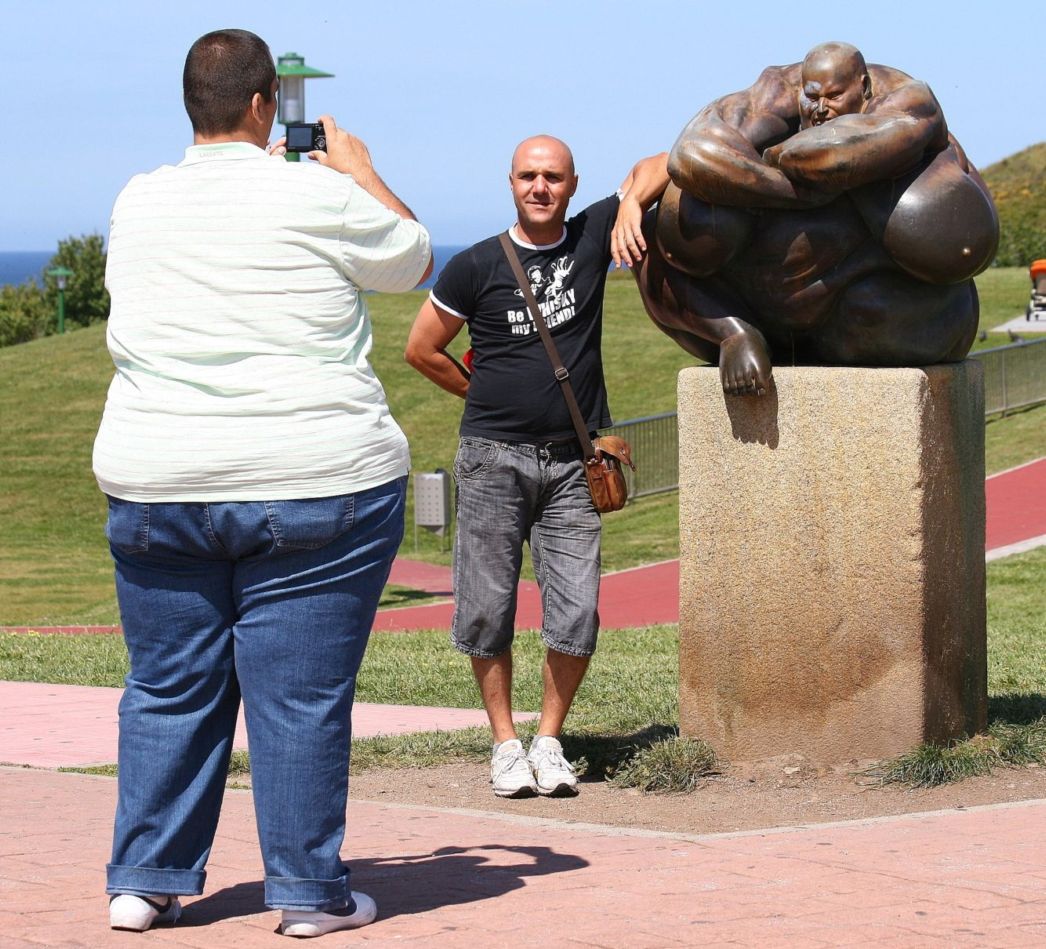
(1016, 502)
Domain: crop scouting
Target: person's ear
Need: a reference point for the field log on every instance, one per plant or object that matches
(573, 187)
(257, 107)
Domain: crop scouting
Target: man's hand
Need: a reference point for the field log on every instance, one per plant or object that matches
(627, 244)
(348, 155)
(645, 183)
(345, 152)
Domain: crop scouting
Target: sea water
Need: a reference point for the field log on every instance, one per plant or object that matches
(22, 265)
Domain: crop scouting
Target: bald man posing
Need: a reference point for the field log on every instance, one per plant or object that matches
(519, 469)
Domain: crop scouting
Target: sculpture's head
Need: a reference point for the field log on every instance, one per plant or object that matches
(834, 82)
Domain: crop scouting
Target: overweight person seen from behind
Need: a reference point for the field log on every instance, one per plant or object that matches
(255, 481)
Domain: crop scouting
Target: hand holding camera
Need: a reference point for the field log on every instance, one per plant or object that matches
(343, 152)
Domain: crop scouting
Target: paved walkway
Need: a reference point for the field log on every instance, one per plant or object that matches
(56, 726)
(447, 879)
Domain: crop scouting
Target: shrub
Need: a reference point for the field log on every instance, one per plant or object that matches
(86, 299)
(24, 314)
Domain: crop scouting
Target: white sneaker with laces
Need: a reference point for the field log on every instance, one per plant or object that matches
(554, 775)
(139, 913)
(307, 923)
(510, 773)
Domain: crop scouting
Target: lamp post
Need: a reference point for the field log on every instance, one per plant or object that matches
(61, 278)
(292, 71)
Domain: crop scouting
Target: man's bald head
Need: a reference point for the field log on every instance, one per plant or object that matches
(543, 146)
(834, 82)
(543, 181)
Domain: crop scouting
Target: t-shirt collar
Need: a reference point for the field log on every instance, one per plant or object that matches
(218, 151)
(522, 243)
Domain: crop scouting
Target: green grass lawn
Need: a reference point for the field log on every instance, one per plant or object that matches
(54, 566)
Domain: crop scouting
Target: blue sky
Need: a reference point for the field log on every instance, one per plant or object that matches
(442, 91)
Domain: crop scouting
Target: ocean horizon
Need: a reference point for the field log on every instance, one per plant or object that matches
(20, 266)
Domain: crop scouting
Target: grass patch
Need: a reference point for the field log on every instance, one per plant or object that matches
(239, 765)
(1003, 293)
(420, 749)
(394, 597)
(624, 719)
(1014, 438)
(1017, 635)
(669, 765)
(1005, 745)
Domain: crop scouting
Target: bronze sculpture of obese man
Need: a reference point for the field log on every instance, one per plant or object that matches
(822, 216)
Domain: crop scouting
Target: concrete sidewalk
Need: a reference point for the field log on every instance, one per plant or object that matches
(453, 879)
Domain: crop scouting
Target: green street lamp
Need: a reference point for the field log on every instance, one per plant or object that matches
(292, 71)
(61, 278)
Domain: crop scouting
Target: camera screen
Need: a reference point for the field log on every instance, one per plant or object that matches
(299, 136)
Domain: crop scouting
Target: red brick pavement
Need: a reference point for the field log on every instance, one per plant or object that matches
(54, 726)
(447, 878)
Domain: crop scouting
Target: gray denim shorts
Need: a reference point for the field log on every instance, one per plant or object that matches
(509, 493)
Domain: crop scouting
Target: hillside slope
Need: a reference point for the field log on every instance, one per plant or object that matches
(1018, 184)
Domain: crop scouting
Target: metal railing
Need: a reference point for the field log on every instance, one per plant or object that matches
(655, 443)
(1014, 376)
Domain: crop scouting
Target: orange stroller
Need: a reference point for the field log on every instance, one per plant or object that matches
(1037, 304)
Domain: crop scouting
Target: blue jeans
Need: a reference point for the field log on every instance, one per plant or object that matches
(269, 600)
(510, 493)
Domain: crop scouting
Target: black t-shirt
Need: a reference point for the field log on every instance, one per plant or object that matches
(513, 394)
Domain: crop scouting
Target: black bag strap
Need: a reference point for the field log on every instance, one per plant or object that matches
(562, 375)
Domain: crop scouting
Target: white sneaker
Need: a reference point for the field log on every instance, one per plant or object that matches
(139, 913)
(554, 775)
(307, 923)
(510, 772)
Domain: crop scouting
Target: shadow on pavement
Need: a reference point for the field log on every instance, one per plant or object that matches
(410, 884)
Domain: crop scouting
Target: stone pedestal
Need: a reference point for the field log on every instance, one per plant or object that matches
(832, 597)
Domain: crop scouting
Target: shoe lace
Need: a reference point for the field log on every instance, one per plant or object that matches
(551, 759)
(509, 761)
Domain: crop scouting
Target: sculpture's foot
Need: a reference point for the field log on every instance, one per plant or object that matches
(744, 364)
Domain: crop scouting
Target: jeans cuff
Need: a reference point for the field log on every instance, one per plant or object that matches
(567, 649)
(477, 653)
(153, 880)
(297, 893)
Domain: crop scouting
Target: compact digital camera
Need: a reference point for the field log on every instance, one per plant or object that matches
(306, 137)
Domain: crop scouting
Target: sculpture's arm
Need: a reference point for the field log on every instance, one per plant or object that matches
(892, 136)
(718, 155)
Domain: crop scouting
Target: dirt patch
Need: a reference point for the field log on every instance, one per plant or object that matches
(781, 792)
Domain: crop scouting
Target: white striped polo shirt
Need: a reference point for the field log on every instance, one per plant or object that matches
(240, 333)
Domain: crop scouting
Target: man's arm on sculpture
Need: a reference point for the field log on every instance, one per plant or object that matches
(889, 138)
(645, 183)
(350, 156)
(426, 351)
